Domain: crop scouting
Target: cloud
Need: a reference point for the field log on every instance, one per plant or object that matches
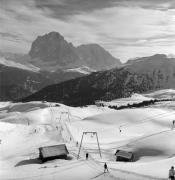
(9, 35)
(126, 28)
(66, 8)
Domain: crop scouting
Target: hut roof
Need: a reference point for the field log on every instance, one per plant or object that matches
(56, 150)
(124, 154)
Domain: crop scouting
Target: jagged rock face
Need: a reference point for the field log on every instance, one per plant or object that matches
(52, 51)
(96, 57)
(50, 54)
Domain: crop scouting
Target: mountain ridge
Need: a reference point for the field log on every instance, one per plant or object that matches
(114, 83)
(52, 58)
(52, 49)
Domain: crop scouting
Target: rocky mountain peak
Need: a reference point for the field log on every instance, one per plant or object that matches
(53, 51)
(51, 36)
(97, 57)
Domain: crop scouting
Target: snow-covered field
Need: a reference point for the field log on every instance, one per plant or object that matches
(162, 94)
(135, 98)
(147, 132)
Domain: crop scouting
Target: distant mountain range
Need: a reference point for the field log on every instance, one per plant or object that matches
(137, 76)
(79, 75)
(53, 52)
(50, 60)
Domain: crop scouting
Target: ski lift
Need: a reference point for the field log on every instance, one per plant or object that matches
(92, 134)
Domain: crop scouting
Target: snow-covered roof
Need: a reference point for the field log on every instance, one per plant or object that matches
(56, 150)
(124, 154)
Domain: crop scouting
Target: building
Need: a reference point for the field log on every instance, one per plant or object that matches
(124, 156)
(53, 152)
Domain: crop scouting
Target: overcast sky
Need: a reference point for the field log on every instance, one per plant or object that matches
(126, 28)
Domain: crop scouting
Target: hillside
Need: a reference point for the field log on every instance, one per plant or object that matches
(16, 83)
(38, 124)
(151, 73)
(112, 84)
(159, 67)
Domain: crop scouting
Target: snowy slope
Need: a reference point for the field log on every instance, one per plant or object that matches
(83, 70)
(24, 127)
(28, 67)
(162, 94)
(135, 98)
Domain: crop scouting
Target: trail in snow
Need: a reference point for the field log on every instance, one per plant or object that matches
(92, 163)
(55, 125)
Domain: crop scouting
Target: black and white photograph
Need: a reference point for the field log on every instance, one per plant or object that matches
(87, 89)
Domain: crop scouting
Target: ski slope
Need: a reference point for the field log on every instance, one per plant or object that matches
(24, 127)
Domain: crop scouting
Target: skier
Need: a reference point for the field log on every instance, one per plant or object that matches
(173, 123)
(77, 144)
(171, 173)
(105, 168)
(120, 129)
(87, 155)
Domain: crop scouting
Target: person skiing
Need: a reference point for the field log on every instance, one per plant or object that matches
(171, 173)
(77, 144)
(173, 123)
(87, 155)
(105, 168)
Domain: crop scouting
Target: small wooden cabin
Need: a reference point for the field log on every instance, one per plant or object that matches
(124, 156)
(53, 152)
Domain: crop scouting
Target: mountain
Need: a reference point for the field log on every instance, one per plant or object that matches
(105, 85)
(52, 52)
(50, 60)
(142, 75)
(97, 57)
(160, 68)
(16, 83)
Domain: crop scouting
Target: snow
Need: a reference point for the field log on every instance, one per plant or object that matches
(162, 94)
(4, 104)
(83, 70)
(135, 98)
(28, 67)
(147, 132)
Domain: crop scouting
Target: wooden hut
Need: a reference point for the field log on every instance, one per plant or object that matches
(53, 152)
(124, 156)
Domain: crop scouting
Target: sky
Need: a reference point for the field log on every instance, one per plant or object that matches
(125, 28)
